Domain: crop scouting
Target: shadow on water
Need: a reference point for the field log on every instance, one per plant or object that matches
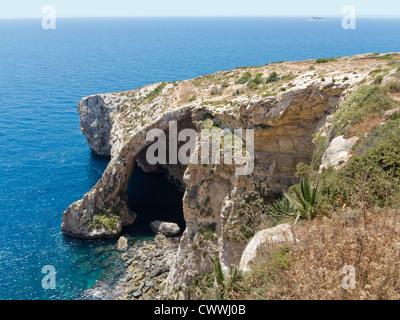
(97, 165)
(153, 197)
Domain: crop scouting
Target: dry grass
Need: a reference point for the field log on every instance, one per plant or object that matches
(325, 246)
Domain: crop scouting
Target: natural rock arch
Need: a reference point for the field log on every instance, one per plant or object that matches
(283, 126)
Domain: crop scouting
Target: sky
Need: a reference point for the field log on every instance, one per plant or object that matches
(189, 8)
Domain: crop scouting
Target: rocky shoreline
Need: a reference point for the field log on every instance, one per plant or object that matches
(147, 265)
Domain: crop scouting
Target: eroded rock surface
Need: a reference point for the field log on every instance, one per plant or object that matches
(338, 152)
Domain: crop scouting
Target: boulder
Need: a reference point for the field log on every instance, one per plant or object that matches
(278, 234)
(122, 243)
(338, 152)
(167, 229)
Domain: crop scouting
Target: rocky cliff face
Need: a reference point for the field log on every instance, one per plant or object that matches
(222, 209)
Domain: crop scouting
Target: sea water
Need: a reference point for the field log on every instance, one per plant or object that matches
(45, 163)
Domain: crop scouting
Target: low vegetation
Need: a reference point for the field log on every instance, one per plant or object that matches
(367, 101)
(157, 91)
(326, 60)
(272, 77)
(105, 218)
(386, 57)
(244, 78)
(315, 267)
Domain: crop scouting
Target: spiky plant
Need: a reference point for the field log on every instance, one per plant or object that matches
(219, 277)
(281, 207)
(305, 200)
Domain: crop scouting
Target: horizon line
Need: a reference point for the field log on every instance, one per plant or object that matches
(204, 16)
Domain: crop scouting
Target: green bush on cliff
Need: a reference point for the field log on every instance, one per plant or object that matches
(387, 56)
(104, 218)
(326, 60)
(217, 285)
(368, 100)
(156, 92)
(372, 176)
(316, 160)
(256, 81)
(272, 77)
(208, 231)
(378, 80)
(281, 207)
(245, 78)
(393, 87)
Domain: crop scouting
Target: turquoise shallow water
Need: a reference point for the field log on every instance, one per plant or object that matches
(45, 163)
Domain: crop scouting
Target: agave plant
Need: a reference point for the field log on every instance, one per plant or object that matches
(219, 277)
(223, 283)
(305, 200)
(281, 208)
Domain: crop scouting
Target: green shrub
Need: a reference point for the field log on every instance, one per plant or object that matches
(378, 80)
(324, 60)
(152, 95)
(272, 77)
(208, 231)
(394, 116)
(245, 78)
(316, 160)
(219, 277)
(393, 87)
(252, 85)
(387, 56)
(367, 100)
(236, 93)
(104, 218)
(256, 81)
(288, 77)
(258, 78)
(375, 71)
(225, 85)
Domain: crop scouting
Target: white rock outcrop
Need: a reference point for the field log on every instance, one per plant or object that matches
(122, 243)
(260, 242)
(338, 152)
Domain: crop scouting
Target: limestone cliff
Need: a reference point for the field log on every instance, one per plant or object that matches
(284, 111)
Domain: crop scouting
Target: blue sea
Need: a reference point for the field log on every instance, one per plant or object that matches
(45, 163)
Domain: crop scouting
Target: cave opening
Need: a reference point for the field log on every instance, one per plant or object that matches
(155, 191)
(152, 196)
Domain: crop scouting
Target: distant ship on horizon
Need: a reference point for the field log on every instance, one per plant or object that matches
(317, 19)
